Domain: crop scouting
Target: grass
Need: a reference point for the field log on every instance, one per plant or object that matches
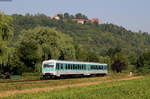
(133, 89)
(25, 76)
(48, 83)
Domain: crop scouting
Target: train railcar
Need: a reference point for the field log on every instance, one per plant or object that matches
(58, 68)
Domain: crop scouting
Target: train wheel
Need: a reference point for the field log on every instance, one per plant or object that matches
(41, 78)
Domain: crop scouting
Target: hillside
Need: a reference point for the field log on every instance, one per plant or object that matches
(27, 40)
(96, 37)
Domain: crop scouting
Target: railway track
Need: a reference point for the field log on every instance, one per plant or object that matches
(48, 79)
(17, 81)
(21, 81)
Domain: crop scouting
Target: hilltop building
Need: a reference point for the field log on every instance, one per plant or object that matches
(56, 17)
(82, 21)
(94, 20)
(78, 20)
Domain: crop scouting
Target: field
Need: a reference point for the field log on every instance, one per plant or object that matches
(45, 83)
(109, 87)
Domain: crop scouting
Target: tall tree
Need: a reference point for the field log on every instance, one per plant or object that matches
(6, 33)
(119, 63)
(143, 63)
(43, 43)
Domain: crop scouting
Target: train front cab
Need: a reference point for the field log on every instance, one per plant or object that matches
(48, 70)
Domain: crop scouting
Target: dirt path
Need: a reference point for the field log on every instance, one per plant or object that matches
(33, 90)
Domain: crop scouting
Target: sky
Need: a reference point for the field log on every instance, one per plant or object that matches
(132, 14)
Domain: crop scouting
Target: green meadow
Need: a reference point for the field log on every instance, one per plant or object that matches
(131, 89)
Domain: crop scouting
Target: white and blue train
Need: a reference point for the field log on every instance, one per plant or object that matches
(58, 68)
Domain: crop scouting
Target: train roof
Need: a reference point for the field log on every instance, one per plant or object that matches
(79, 62)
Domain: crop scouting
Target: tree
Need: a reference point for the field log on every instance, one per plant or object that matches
(81, 53)
(28, 54)
(102, 37)
(66, 15)
(92, 57)
(44, 43)
(80, 16)
(143, 63)
(16, 66)
(119, 63)
(6, 33)
(112, 51)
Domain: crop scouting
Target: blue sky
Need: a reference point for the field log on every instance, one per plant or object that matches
(131, 14)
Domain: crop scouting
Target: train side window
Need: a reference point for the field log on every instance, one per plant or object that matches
(74, 66)
(78, 67)
(99, 67)
(105, 67)
(93, 67)
(61, 66)
(96, 67)
(81, 66)
(70, 66)
(66, 66)
(84, 67)
(57, 66)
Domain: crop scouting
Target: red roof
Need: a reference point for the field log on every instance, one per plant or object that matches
(94, 20)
